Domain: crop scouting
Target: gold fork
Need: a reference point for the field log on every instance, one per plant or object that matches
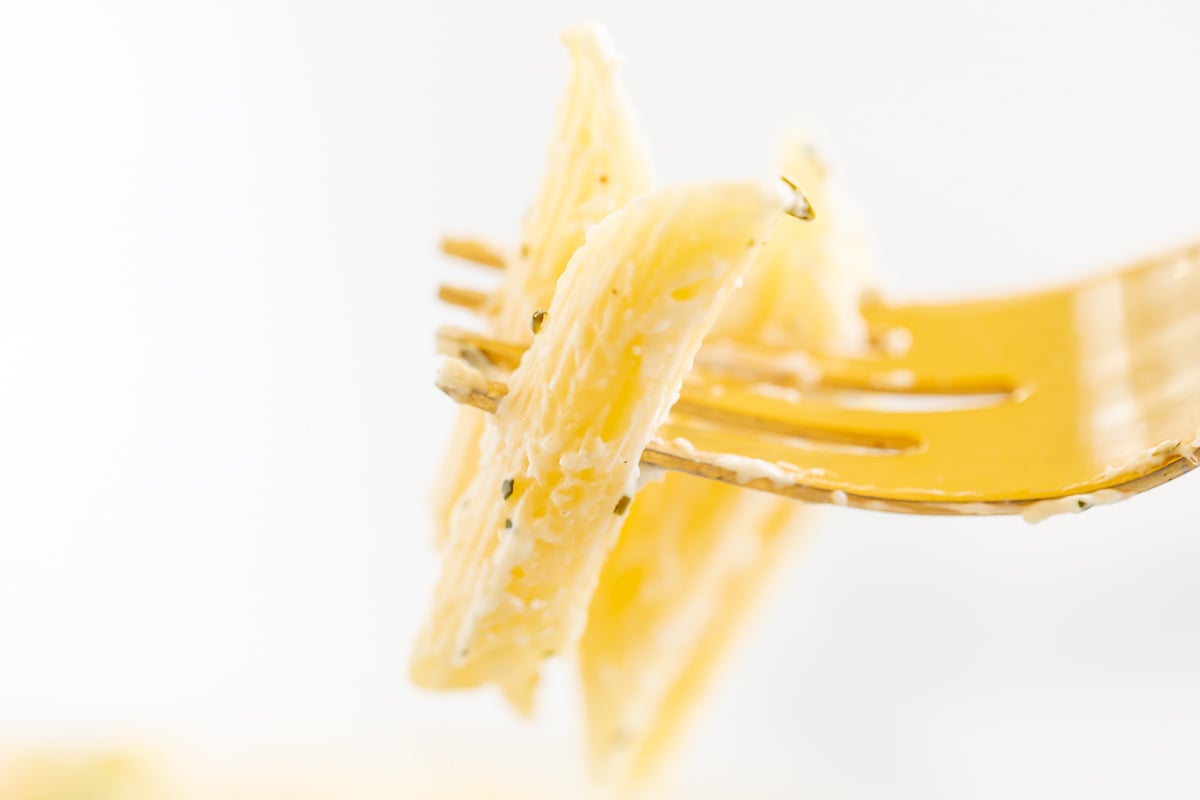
(1039, 403)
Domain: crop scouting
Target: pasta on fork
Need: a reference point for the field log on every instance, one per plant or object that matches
(596, 163)
(695, 554)
(558, 467)
(549, 540)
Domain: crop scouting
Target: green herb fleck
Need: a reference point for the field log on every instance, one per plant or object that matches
(507, 524)
(538, 320)
(1081, 503)
(506, 488)
(622, 504)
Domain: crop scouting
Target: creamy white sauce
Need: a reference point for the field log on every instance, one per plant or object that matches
(648, 475)
(515, 546)
(970, 508)
(1153, 458)
(839, 498)
(459, 379)
(788, 394)
(896, 342)
(593, 452)
(746, 469)
(1072, 504)
(894, 379)
(684, 445)
(815, 472)
(1191, 452)
(749, 469)
(743, 362)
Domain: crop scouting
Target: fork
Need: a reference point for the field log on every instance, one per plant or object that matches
(1038, 403)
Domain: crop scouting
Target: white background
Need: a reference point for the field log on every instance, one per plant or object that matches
(218, 427)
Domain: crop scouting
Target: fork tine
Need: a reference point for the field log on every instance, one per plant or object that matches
(467, 345)
(751, 365)
(469, 299)
(952, 348)
(474, 250)
(885, 366)
(764, 464)
(678, 455)
(799, 417)
(819, 422)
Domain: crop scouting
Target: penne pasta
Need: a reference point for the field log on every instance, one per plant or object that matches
(694, 554)
(530, 501)
(804, 289)
(595, 163)
(559, 464)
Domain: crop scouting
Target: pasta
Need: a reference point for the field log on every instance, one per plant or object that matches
(560, 461)
(531, 502)
(595, 163)
(694, 554)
